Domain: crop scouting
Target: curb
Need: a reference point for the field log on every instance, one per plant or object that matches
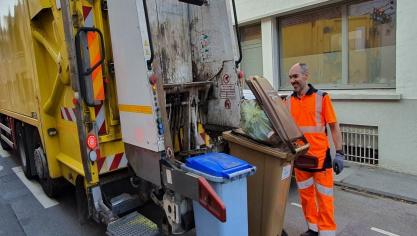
(377, 192)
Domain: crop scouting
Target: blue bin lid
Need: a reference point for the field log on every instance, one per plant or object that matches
(219, 165)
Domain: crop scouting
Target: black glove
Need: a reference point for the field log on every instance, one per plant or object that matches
(338, 162)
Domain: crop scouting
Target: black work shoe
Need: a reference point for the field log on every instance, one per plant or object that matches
(310, 233)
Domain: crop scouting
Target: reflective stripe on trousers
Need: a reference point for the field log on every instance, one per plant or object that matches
(306, 183)
(324, 190)
(313, 227)
(327, 233)
(317, 201)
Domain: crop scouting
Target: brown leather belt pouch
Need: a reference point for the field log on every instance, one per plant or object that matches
(306, 162)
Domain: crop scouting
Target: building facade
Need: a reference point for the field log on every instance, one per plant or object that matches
(360, 52)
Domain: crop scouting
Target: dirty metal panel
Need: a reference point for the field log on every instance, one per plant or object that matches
(212, 38)
(169, 25)
(224, 107)
(213, 58)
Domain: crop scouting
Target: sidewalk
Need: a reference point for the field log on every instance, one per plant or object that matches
(379, 181)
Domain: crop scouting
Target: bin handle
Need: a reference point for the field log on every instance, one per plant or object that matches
(251, 171)
(302, 148)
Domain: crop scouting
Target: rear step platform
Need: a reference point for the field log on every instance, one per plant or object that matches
(132, 224)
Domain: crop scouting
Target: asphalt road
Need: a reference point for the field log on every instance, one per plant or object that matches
(23, 214)
(25, 211)
(359, 214)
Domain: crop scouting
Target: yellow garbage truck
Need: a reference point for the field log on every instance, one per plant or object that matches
(113, 96)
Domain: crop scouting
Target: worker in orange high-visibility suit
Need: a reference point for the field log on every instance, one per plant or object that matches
(312, 110)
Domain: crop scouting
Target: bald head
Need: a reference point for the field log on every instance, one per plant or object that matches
(300, 67)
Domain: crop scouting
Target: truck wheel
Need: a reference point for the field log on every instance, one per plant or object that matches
(4, 145)
(52, 187)
(22, 148)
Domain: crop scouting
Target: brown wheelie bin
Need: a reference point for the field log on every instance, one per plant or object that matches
(268, 188)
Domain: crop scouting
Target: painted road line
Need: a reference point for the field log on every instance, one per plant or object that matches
(296, 204)
(383, 232)
(35, 188)
(4, 154)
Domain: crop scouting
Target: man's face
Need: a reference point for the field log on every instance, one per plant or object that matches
(297, 79)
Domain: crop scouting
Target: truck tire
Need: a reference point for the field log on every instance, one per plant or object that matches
(23, 147)
(51, 187)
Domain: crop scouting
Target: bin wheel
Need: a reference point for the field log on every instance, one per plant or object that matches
(284, 233)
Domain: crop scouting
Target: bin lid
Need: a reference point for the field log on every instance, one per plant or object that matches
(219, 165)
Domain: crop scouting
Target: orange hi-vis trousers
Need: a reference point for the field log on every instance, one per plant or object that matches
(316, 194)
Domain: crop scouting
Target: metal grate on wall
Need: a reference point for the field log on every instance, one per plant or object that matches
(360, 143)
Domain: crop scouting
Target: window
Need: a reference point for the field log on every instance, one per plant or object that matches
(345, 46)
(251, 41)
(372, 43)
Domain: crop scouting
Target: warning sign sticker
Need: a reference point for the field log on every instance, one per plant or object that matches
(226, 79)
(227, 89)
(227, 104)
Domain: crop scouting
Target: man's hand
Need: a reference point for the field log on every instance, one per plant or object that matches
(338, 162)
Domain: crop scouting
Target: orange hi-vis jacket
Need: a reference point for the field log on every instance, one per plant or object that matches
(311, 113)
